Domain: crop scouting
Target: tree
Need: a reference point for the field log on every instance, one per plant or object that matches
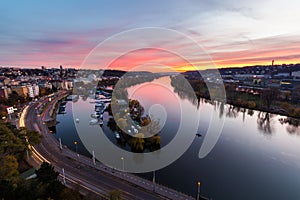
(155, 139)
(137, 142)
(46, 173)
(68, 194)
(10, 143)
(115, 195)
(268, 96)
(136, 109)
(14, 99)
(251, 104)
(33, 137)
(9, 167)
(122, 123)
(152, 128)
(3, 111)
(45, 91)
(47, 179)
(296, 94)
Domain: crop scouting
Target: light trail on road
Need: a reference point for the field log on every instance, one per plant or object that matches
(79, 171)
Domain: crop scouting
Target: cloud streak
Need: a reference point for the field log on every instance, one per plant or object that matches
(233, 33)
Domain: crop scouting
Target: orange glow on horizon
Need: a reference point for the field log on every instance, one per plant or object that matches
(157, 60)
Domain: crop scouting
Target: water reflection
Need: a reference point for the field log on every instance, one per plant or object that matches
(232, 112)
(242, 153)
(292, 125)
(184, 89)
(250, 112)
(222, 108)
(264, 120)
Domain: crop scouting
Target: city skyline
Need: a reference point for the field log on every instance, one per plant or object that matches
(233, 34)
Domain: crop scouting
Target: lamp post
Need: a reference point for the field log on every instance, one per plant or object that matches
(76, 148)
(122, 158)
(94, 159)
(198, 193)
(64, 176)
(60, 145)
(27, 154)
(153, 180)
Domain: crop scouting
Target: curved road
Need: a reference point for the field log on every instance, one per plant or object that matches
(81, 172)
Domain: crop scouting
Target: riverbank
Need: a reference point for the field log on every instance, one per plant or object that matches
(65, 155)
(269, 100)
(249, 148)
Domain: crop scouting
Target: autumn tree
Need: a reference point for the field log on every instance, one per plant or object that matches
(268, 96)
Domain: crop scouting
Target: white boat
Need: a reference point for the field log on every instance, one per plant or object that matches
(117, 136)
(95, 115)
(77, 120)
(93, 122)
(103, 100)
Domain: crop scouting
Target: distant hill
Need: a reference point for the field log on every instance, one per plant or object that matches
(117, 73)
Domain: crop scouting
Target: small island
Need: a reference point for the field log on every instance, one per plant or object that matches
(139, 131)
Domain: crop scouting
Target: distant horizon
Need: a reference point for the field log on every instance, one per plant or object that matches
(77, 68)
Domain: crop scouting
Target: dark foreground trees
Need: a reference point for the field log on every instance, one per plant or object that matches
(13, 145)
(45, 186)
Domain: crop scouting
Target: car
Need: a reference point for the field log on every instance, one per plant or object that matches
(117, 136)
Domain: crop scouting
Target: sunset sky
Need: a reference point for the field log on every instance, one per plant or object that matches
(232, 33)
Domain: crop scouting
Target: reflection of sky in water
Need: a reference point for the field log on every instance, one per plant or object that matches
(253, 159)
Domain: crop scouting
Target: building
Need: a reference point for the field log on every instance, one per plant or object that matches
(4, 81)
(30, 91)
(10, 110)
(4, 92)
(296, 75)
(21, 90)
(67, 84)
(282, 75)
(289, 84)
(45, 85)
(36, 90)
(58, 84)
(33, 91)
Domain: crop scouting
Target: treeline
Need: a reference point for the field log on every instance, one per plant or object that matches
(13, 161)
(268, 99)
(45, 186)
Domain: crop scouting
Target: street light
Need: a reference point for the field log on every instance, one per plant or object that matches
(76, 148)
(198, 193)
(122, 158)
(153, 180)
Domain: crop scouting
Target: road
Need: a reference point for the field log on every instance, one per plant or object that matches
(81, 172)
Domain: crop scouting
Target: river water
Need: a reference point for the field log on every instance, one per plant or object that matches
(255, 157)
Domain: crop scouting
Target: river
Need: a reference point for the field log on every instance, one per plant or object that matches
(255, 157)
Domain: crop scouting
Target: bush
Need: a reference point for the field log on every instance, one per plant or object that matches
(251, 104)
(297, 112)
(286, 106)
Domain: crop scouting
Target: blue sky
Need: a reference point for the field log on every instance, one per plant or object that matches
(50, 33)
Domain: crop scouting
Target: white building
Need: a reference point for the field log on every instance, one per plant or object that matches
(33, 91)
(10, 110)
(296, 75)
(30, 91)
(67, 84)
(36, 90)
(282, 75)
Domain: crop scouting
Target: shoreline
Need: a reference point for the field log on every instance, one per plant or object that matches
(131, 178)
